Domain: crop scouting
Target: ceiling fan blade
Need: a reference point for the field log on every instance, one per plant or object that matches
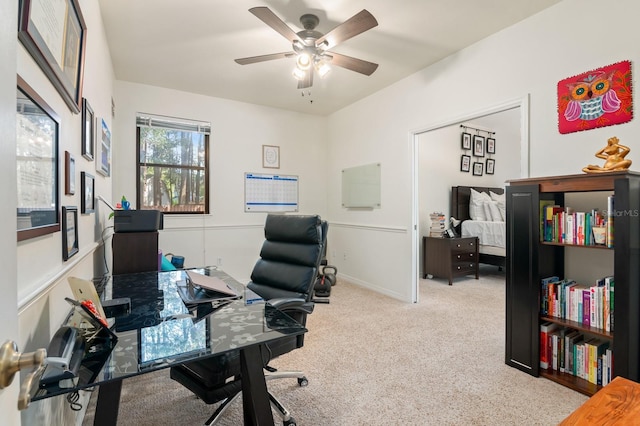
(353, 64)
(268, 17)
(262, 58)
(307, 81)
(358, 23)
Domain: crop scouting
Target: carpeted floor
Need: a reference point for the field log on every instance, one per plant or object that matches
(373, 360)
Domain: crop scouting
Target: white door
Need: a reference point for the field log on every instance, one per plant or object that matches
(8, 289)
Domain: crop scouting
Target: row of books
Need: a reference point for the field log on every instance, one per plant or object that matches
(438, 224)
(591, 306)
(566, 226)
(570, 351)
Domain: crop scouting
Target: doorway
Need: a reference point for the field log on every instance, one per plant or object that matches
(517, 109)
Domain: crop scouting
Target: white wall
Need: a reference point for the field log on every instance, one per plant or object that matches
(528, 58)
(40, 284)
(238, 131)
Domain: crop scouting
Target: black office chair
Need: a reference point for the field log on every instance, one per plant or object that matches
(284, 276)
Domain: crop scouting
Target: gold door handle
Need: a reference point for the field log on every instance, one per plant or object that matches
(12, 361)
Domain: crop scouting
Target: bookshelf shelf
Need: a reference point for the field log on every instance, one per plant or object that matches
(597, 247)
(569, 380)
(530, 260)
(577, 326)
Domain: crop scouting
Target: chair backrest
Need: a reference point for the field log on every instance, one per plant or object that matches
(290, 256)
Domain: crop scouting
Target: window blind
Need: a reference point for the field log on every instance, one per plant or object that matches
(173, 123)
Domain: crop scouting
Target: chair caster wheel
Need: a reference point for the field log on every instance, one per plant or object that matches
(303, 381)
(290, 422)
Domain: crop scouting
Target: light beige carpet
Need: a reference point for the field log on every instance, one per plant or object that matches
(373, 360)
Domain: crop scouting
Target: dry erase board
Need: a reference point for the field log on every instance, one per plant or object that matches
(361, 186)
(270, 193)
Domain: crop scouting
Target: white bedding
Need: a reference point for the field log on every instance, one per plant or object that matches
(488, 233)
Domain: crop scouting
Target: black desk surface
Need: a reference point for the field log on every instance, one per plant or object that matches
(160, 331)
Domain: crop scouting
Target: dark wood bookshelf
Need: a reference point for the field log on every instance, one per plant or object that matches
(529, 260)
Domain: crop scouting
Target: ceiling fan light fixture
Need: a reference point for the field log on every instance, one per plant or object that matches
(299, 74)
(303, 61)
(323, 69)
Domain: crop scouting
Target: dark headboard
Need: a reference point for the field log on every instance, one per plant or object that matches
(460, 197)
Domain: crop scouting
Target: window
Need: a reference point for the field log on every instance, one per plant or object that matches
(172, 164)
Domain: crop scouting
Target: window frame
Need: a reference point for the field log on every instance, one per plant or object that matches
(139, 166)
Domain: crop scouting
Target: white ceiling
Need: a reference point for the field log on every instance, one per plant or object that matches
(190, 45)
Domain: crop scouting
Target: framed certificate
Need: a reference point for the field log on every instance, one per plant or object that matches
(53, 32)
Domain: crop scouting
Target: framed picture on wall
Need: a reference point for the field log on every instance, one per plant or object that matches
(491, 146)
(270, 156)
(477, 168)
(104, 153)
(491, 163)
(69, 174)
(54, 34)
(478, 146)
(465, 163)
(88, 189)
(69, 231)
(88, 130)
(36, 164)
(466, 140)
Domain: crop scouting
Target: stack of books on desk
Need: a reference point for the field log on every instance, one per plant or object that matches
(437, 224)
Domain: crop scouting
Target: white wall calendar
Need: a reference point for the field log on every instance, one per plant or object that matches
(270, 193)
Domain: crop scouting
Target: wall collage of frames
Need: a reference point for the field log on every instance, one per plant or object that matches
(479, 145)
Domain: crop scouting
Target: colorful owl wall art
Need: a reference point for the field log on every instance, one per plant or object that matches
(597, 98)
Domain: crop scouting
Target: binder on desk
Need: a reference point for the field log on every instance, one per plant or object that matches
(201, 288)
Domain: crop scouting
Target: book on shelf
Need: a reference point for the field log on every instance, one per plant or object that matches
(566, 226)
(591, 306)
(545, 330)
(610, 220)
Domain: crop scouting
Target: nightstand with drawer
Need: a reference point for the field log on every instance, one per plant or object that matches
(450, 257)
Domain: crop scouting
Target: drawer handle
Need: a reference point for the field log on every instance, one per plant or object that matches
(458, 268)
(458, 245)
(470, 254)
(471, 244)
(459, 257)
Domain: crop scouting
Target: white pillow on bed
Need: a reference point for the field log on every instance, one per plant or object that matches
(501, 200)
(494, 211)
(476, 205)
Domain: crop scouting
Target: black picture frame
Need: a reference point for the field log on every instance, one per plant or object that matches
(465, 163)
(37, 167)
(491, 146)
(88, 130)
(88, 201)
(69, 174)
(465, 140)
(56, 40)
(478, 146)
(478, 168)
(490, 166)
(70, 244)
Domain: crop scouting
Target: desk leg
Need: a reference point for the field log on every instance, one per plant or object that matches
(255, 398)
(108, 403)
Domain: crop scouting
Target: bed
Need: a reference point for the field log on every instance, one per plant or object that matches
(491, 234)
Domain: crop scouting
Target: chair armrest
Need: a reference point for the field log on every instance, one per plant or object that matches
(292, 304)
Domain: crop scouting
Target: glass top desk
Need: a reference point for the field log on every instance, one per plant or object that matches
(160, 332)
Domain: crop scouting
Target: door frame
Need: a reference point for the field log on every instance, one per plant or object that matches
(523, 104)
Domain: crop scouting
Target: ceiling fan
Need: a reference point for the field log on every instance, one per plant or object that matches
(311, 48)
